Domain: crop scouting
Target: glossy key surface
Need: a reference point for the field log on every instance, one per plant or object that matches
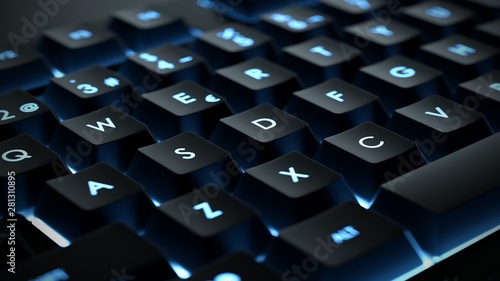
(262, 134)
(461, 185)
(204, 225)
(112, 252)
(338, 241)
(94, 197)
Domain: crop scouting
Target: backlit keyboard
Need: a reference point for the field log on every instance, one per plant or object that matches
(222, 140)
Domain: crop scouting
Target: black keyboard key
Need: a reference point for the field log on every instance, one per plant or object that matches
(205, 225)
(352, 11)
(233, 43)
(25, 166)
(439, 126)
(234, 267)
(464, 184)
(27, 242)
(107, 134)
(199, 15)
(483, 94)
(261, 134)
(21, 113)
(148, 26)
(22, 69)
(322, 58)
(371, 151)
(335, 106)
(487, 9)
(295, 187)
(346, 243)
(164, 66)
(181, 164)
(478, 261)
(247, 11)
(460, 58)
(254, 82)
(185, 106)
(110, 253)
(381, 41)
(87, 90)
(489, 32)
(296, 24)
(400, 81)
(78, 46)
(96, 196)
(439, 18)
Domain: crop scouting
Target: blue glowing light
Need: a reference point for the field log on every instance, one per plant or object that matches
(80, 34)
(181, 272)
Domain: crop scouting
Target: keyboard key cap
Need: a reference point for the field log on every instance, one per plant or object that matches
(185, 106)
(234, 267)
(261, 134)
(489, 32)
(439, 126)
(29, 241)
(483, 94)
(368, 149)
(464, 184)
(147, 26)
(254, 82)
(78, 46)
(21, 113)
(199, 15)
(110, 253)
(400, 81)
(22, 69)
(476, 262)
(96, 196)
(295, 188)
(296, 24)
(164, 66)
(322, 58)
(181, 164)
(347, 242)
(87, 90)
(105, 135)
(248, 11)
(233, 43)
(460, 58)
(26, 165)
(381, 41)
(352, 11)
(439, 18)
(205, 225)
(335, 106)
(488, 9)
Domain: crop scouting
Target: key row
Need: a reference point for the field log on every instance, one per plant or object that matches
(335, 240)
(77, 47)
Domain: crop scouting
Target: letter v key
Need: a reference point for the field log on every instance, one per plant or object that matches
(440, 113)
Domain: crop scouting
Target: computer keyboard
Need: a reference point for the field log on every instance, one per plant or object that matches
(221, 140)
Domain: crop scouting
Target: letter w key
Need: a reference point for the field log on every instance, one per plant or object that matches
(100, 125)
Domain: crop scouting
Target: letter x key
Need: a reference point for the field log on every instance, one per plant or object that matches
(294, 175)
